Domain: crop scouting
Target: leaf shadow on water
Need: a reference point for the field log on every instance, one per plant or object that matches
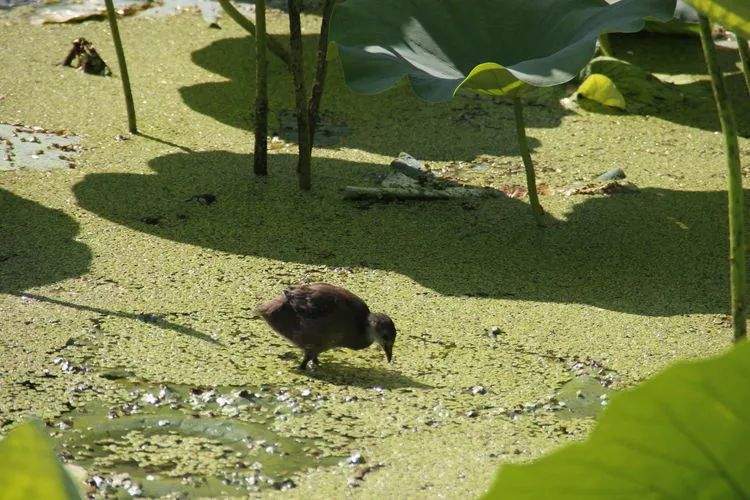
(387, 123)
(38, 247)
(668, 54)
(690, 104)
(658, 252)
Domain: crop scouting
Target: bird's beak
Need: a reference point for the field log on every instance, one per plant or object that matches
(388, 348)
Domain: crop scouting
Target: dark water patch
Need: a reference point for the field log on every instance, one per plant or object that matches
(71, 11)
(329, 130)
(583, 396)
(75, 11)
(192, 441)
(35, 148)
(7, 4)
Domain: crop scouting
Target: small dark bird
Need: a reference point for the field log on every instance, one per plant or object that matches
(319, 317)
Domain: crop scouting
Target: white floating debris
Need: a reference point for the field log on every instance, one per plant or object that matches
(478, 389)
(355, 458)
(150, 398)
(224, 400)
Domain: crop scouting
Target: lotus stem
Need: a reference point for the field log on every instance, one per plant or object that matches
(744, 49)
(275, 47)
(605, 45)
(112, 16)
(523, 146)
(734, 184)
(260, 157)
(320, 72)
(300, 95)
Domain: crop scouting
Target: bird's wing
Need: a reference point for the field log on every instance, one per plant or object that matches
(310, 303)
(331, 313)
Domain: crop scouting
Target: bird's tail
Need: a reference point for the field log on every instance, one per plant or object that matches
(259, 311)
(267, 309)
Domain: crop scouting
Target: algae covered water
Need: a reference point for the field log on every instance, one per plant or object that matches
(177, 440)
(126, 302)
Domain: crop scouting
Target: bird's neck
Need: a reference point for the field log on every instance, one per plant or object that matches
(370, 333)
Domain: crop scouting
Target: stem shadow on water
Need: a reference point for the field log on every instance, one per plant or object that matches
(151, 319)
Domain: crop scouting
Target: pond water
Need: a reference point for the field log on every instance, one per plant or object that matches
(174, 439)
(77, 10)
(34, 148)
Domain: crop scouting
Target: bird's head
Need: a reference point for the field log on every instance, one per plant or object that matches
(381, 329)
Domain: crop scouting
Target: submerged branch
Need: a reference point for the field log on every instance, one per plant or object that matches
(416, 193)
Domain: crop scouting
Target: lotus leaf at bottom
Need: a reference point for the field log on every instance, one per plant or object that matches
(682, 434)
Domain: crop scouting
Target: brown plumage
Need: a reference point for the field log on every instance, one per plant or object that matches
(319, 317)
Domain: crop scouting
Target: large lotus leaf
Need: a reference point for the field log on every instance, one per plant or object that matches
(488, 46)
(732, 14)
(685, 21)
(682, 434)
(29, 467)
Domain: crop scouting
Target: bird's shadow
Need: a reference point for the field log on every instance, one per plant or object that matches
(344, 374)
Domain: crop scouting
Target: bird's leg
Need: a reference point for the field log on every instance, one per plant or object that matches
(305, 360)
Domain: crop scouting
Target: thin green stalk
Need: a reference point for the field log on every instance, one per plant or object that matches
(320, 73)
(605, 45)
(300, 96)
(273, 46)
(744, 49)
(260, 158)
(523, 146)
(112, 16)
(734, 182)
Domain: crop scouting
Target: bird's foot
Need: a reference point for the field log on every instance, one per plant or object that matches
(303, 366)
(310, 366)
(309, 362)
